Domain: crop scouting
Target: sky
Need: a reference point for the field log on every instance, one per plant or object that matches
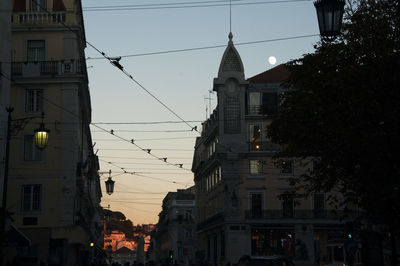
(179, 80)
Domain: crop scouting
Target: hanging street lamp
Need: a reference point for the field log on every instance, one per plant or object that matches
(330, 15)
(41, 136)
(109, 184)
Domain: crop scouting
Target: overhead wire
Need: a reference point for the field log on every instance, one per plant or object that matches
(209, 47)
(124, 171)
(115, 62)
(164, 159)
(155, 139)
(164, 4)
(181, 6)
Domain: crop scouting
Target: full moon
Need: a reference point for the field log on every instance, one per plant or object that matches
(272, 60)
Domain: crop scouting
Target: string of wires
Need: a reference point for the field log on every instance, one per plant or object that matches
(124, 171)
(148, 151)
(209, 47)
(115, 62)
(184, 5)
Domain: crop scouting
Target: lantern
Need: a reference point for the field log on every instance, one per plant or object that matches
(41, 136)
(109, 184)
(330, 15)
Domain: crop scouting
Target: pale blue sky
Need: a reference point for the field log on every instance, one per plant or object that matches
(180, 80)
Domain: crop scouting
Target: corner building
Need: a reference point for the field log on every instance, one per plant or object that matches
(54, 193)
(238, 183)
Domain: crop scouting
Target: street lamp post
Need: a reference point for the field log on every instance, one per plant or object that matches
(330, 16)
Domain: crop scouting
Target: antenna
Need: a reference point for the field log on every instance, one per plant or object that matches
(230, 15)
(209, 98)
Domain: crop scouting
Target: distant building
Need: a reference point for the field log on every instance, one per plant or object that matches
(238, 184)
(174, 238)
(54, 194)
(117, 240)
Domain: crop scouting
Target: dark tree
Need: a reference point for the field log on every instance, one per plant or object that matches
(343, 110)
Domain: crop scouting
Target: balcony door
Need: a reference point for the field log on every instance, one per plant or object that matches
(36, 50)
(38, 5)
(256, 202)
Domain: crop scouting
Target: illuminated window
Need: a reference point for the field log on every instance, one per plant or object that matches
(255, 167)
(255, 137)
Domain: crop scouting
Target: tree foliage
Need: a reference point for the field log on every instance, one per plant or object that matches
(343, 109)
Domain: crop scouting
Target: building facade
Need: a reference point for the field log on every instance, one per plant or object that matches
(174, 239)
(244, 202)
(54, 193)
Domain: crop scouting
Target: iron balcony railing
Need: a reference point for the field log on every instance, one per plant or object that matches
(300, 214)
(46, 68)
(262, 146)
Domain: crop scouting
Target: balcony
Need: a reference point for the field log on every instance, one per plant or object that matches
(40, 18)
(264, 110)
(262, 146)
(46, 68)
(300, 214)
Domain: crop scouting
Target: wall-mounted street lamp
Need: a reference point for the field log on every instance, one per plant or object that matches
(330, 16)
(41, 139)
(41, 136)
(109, 184)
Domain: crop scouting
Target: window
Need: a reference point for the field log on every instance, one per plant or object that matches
(288, 206)
(36, 50)
(255, 137)
(33, 100)
(319, 205)
(254, 103)
(232, 115)
(31, 197)
(38, 5)
(255, 167)
(270, 103)
(31, 152)
(256, 204)
(287, 167)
